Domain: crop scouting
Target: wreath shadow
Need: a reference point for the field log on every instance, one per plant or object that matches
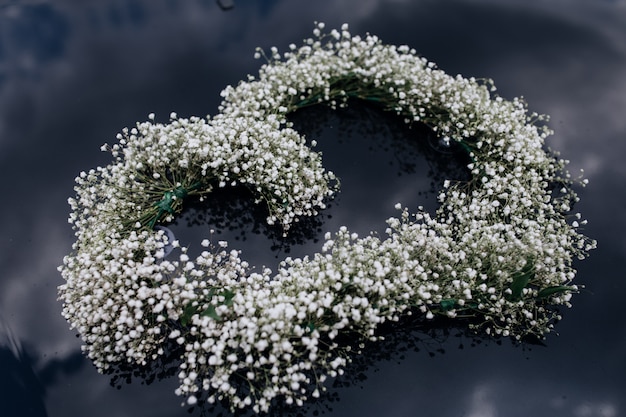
(409, 336)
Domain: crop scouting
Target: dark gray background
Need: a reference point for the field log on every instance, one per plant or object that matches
(73, 73)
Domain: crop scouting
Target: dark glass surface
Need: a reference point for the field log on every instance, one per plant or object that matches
(73, 74)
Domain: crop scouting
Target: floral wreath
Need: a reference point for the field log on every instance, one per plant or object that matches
(498, 250)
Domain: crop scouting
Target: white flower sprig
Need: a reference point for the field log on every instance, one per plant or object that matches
(499, 249)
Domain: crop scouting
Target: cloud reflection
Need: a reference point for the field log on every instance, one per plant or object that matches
(481, 403)
(21, 391)
(595, 410)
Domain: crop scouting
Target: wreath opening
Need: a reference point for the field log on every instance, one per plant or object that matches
(499, 249)
(380, 161)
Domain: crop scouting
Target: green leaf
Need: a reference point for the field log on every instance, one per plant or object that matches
(448, 304)
(520, 281)
(558, 289)
(189, 311)
(210, 312)
(228, 297)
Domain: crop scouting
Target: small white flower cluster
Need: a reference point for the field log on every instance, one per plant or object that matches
(498, 250)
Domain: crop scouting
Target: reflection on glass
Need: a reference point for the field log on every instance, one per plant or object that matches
(31, 35)
(21, 391)
(25, 377)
